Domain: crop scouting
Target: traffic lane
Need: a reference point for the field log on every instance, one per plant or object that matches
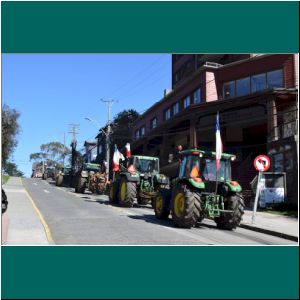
(108, 225)
(80, 220)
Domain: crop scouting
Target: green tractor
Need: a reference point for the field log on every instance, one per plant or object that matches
(195, 193)
(63, 177)
(90, 177)
(138, 180)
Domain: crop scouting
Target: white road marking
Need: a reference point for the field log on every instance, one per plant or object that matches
(46, 191)
(35, 183)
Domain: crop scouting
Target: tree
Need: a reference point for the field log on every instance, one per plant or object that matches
(12, 169)
(52, 154)
(121, 127)
(10, 130)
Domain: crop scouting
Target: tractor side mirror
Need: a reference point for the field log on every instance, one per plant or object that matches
(170, 159)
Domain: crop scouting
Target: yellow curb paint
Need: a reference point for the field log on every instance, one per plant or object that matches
(46, 227)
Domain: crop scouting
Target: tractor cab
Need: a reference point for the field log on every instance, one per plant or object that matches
(143, 164)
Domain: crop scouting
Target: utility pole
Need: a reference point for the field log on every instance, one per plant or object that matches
(73, 131)
(64, 149)
(109, 104)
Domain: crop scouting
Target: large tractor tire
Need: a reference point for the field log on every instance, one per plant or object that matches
(113, 193)
(127, 192)
(186, 206)
(230, 221)
(59, 180)
(80, 185)
(162, 205)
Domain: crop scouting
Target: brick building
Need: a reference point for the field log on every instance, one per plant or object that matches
(256, 96)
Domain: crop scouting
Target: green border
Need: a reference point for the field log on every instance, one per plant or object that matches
(169, 27)
(150, 272)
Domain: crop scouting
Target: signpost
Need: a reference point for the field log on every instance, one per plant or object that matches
(261, 164)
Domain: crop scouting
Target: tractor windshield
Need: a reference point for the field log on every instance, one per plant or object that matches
(209, 170)
(146, 166)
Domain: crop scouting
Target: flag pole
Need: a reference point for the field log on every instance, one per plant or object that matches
(217, 123)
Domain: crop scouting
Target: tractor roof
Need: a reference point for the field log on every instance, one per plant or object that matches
(210, 154)
(92, 166)
(146, 157)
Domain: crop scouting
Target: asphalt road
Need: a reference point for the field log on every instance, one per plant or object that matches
(85, 219)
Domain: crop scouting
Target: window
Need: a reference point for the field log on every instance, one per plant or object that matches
(176, 108)
(186, 102)
(197, 96)
(153, 123)
(167, 114)
(258, 83)
(243, 86)
(142, 133)
(137, 134)
(229, 89)
(275, 79)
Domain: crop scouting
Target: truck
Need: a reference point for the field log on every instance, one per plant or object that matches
(199, 191)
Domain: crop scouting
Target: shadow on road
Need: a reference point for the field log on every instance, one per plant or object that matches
(153, 220)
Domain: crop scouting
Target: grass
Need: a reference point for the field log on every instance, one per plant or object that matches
(5, 179)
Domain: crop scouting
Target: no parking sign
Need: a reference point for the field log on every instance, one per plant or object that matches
(262, 163)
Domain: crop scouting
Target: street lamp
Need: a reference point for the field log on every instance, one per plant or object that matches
(98, 125)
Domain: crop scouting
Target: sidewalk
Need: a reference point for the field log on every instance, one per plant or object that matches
(20, 223)
(281, 226)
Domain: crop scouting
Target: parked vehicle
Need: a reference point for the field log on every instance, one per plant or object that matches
(4, 202)
(90, 177)
(138, 180)
(49, 172)
(63, 177)
(200, 192)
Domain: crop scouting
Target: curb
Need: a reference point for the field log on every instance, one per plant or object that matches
(270, 232)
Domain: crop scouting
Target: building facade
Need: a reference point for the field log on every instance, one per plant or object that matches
(256, 96)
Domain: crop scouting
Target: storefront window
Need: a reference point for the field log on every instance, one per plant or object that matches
(243, 86)
(275, 79)
(229, 89)
(258, 82)
(197, 96)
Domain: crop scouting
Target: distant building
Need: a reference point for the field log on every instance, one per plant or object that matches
(256, 96)
(90, 151)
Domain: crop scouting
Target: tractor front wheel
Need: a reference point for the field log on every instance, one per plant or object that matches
(59, 180)
(230, 220)
(80, 185)
(127, 192)
(113, 193)
(186, 206)
(162, 205)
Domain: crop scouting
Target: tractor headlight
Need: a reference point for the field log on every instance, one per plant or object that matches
(233, 158)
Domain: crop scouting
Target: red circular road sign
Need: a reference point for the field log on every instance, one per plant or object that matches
(262, 163)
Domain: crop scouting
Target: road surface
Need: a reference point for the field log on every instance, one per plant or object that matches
(86, 219)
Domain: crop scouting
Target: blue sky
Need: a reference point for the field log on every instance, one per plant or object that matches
(52, 90)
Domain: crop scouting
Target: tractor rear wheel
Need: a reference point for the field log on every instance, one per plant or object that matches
(113, 193)
(80, 185)
(229, 220)
(186, 206)
(127, 192)
(59, 180)
(162, 205)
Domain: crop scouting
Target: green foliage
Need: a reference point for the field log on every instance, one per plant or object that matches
(12, 170)
(121, 127)
(10, 130)
(51, 153)
(5, 179)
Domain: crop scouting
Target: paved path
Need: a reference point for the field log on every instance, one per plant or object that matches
(21, 221)
(85, 219)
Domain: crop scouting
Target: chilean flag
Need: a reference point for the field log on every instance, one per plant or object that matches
(128, 152)
(116, 159)
(219, 145)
